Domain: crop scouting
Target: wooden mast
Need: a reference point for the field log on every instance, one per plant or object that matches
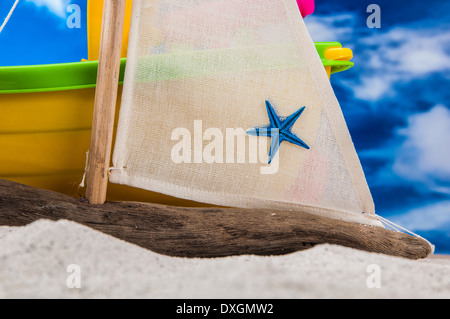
(105, 101)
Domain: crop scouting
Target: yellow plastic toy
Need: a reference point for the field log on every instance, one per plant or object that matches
(94, 23)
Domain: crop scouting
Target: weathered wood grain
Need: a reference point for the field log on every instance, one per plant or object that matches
(203, 232)
(105, 101)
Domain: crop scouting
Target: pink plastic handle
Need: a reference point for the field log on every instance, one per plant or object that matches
(306, 7)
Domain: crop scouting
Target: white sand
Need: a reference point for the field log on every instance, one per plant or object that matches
(34, 260)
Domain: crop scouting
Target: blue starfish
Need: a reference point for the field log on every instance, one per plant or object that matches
(280, 130)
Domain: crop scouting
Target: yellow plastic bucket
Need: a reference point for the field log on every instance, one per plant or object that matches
(94, 24)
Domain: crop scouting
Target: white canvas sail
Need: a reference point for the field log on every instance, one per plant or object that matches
(211, 89)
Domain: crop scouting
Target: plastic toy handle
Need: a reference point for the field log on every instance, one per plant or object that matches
(338, 54)
(306, 7)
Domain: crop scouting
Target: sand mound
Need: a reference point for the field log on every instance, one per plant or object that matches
(34, 262)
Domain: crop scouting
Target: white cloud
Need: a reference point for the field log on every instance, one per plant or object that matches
(57, 7)
(330, 28)
(430, 217)
(413, 51)
(372, 88)
(400, 55)
(392, 56)
(425, 154)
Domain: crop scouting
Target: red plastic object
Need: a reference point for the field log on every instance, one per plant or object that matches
(306, 7)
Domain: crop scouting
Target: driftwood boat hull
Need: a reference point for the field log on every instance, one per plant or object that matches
(203, 232)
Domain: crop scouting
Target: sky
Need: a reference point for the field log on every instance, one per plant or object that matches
(396, 100)
(37, 33)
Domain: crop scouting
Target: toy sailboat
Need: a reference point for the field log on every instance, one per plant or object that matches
(241, 75)
(225, 102)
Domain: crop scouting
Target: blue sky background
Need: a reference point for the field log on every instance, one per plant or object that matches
(38, 34)
(397, 104)
(396, 100)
